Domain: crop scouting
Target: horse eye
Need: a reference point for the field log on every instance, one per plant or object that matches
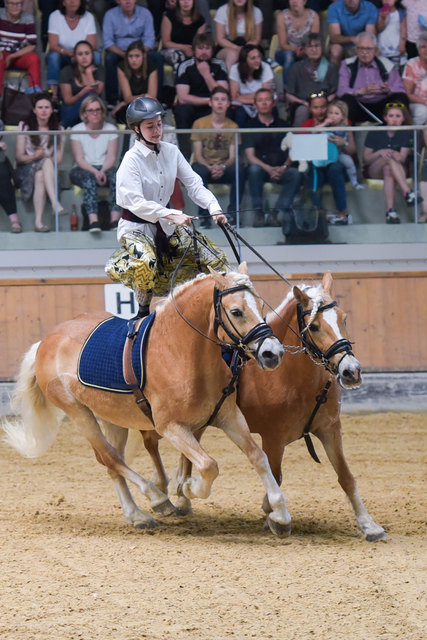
(237, 313)
(314, 328)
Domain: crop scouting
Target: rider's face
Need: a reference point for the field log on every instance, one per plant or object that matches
(152, 129)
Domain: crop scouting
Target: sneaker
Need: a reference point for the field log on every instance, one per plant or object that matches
(410, 198)
(335, 219)
(392, 217)
(94, 227)
(273, 63)
(358, 187)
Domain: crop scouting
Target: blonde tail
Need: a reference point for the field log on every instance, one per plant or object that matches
(38, 420)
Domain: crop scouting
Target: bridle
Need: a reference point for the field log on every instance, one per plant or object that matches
(238, 342)
(340, 346)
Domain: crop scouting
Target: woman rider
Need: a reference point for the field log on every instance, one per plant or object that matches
(153, 236)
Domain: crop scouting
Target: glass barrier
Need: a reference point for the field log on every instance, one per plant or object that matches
(320, 196)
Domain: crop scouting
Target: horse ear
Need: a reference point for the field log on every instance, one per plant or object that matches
(243, 268)
(218, 277)
(327, 282)
(301, 297)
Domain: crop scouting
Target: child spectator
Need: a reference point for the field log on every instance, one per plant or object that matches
(95, 157)
(35, 161)
(215, 153)
(337, 116)
(385, 155)
(237, 23)
(137, 76)
(391, 27)
(68, 25)
(77, 81)
(293, 25)
(246, 77)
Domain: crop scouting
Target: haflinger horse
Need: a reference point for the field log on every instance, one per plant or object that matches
(185, 378)
(279, 406)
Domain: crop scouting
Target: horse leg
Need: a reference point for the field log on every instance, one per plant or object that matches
(117, 437)
(274, 451)
(107, 455)
(332, 442)
(151, 443)
(187, 444)
(279, 520)
(183, 471)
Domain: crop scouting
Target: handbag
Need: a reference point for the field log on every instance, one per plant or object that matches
(16, 105)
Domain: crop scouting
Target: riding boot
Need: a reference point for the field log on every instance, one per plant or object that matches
(272, 220)
(143, 299)
(258, 219)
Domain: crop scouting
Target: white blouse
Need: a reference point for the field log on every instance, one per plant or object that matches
(145, 183)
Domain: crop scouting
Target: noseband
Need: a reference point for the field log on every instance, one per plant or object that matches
(260, 332)
(340, 346)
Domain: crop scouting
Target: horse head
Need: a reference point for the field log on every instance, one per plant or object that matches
(322, 326)
(238, 319)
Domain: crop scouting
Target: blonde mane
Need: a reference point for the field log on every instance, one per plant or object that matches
(313, 291)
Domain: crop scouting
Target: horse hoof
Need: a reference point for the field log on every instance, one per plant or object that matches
(183, 511)
(149, 523)
(165, 508)
(283, 530)
(376, 537)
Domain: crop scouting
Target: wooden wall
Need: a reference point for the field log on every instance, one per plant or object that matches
(387, 314)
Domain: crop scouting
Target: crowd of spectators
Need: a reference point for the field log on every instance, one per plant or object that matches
(342, 62)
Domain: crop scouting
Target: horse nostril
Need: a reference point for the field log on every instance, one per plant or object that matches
(347, 374)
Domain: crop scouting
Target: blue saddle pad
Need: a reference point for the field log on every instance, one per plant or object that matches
(101, 358)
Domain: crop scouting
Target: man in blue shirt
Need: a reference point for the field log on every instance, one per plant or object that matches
(122, 25)
(347, 18)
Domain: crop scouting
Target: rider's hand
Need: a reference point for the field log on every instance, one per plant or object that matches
(180, 218)
(218, 216)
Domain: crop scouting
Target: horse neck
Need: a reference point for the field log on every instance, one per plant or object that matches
(195, 302)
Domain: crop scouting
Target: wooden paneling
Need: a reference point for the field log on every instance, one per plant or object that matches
(386, 314)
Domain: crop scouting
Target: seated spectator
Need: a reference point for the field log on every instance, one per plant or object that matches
(158, 8)
(337, 116)
(268, 163)
(18, 41)
(7, 191)
(237, 23)
(95, 156)
(415, 80)
(68, 25)
(137, 78)
(385, 155)
(391, 28)
(196, 78)
(77, 81)
(178, 28)
(215, 153)
(313, 74)
(293, 25)
(35, 159)
(246, 77)
(122, 25)
(367, 82)
(346, 19)
(332, 173)
(416, 16)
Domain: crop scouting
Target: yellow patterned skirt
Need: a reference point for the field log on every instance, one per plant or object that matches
(136, 264)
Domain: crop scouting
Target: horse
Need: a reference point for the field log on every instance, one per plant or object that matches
(185, 378)
(279, 407)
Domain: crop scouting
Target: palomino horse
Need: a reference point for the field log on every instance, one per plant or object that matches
(278, 406)
(185, 378)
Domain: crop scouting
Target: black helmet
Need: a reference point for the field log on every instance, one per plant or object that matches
(142, 109)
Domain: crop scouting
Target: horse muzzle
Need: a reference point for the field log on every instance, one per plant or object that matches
(349, 374)
(269, 353)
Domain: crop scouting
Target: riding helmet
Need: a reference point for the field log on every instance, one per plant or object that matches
(143, 109)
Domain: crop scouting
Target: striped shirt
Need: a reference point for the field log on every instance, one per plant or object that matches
(17, 35)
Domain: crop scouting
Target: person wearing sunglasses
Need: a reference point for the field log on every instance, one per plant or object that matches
(385, 157)
(313, 74)
(368, 81)
(215, 153)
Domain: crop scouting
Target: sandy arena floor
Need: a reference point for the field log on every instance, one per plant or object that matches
(71, 568)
